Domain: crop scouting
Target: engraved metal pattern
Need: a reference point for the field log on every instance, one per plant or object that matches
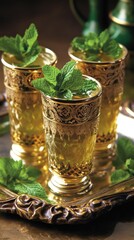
(107, 74)
(69, 118)
(21, 79)
(35, 209)
(66, 170)
(106, 137)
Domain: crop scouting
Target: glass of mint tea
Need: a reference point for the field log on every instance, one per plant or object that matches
(71, 126)
(25, 107)
(105, 60)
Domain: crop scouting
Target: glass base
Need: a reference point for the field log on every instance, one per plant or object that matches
(37, 157)
(103, 158)
(69, 187)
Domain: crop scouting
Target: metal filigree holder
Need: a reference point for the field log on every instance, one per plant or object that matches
(25, 109)
(70, 129)
(111, 76)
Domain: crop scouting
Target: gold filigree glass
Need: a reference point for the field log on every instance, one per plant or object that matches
(111, 76)
(70, 130)
(25, 107)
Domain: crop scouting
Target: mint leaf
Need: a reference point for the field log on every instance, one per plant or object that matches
(119, 176)
(14, 169)
(104, 37)
(63, 83)
(129, 164)
(44, 86)
(92, 57)
(33, 172)
(92, 43)
(25, 49)
(8, 44)
(20, 178)
(30, 38)
(89, 86)
(95, 47)
(124, 163)
(112, 48)
(9, 169)
(67, 69)
(50, 73)
(125, 150)
(78, 44)
(3, 172)
(67, 94)
(73, 81)
(47, 83)
(65, 73)
(31, 188)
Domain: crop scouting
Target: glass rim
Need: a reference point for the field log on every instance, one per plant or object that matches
(13, 66)
(122, 57)
(80, 100)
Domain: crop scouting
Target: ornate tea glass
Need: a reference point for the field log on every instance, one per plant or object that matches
(111, 76)
(25, 107)
(70, 130)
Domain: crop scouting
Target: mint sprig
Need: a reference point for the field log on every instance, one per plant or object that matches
(25, 48)
(124, 162)
(20, 178)
(63, 82)
(97, 47)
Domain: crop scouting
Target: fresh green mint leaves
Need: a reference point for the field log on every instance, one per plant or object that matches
(20, 178)
(97, 47)
(25, 49)
(63, 83)
(124, 163)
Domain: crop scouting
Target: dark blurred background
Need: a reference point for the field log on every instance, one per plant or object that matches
(54, 20)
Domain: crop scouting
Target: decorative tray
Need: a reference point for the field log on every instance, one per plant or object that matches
(102, 199)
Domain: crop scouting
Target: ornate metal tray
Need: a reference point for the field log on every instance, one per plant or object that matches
(102, 199)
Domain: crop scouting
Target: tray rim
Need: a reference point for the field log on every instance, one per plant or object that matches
(37, 209)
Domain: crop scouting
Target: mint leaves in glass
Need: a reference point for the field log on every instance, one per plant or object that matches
(104, 59)
(94, 47)
(22, 60)
(25, 49)
(64, 83)
(71, 108)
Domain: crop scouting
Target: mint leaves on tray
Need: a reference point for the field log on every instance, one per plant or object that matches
(97, 47)
(124, 163)
(20, 178)
(63, 83)
(24, 48)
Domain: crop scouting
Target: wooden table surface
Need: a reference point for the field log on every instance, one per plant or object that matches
(56, 26)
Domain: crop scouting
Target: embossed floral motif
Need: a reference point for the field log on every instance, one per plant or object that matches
(71, 113)
(21, 79)
(107, 74)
